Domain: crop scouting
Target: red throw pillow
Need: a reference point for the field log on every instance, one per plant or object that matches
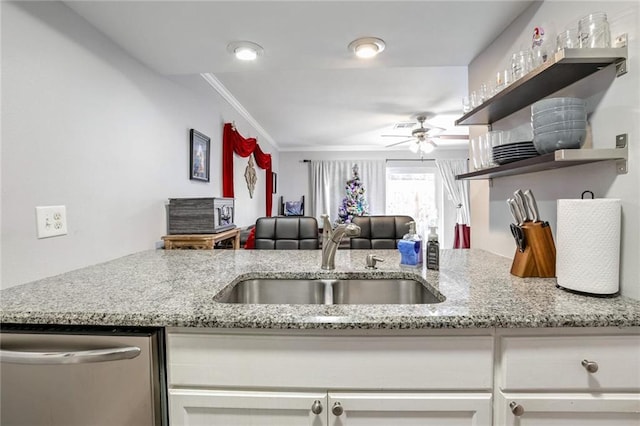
(251, 239)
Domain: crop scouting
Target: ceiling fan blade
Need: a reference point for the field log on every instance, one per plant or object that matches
(395, 136)
(432, 127)
(457, 137)
(398, 143)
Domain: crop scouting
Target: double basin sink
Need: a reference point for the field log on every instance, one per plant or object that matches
(330, 292)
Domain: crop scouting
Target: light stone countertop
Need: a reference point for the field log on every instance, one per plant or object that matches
(177, 288)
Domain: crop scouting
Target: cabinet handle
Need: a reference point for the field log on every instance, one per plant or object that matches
(590, 366)
(337, 409)
(68, 357)
(316, 408)
(516, 408)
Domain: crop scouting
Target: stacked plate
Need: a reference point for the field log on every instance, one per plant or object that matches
(510, 152)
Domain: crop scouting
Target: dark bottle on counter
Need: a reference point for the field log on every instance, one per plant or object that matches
(433, 250)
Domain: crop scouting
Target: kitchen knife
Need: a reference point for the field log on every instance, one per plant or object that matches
(532, 205)
(515, 211)
(518, 196)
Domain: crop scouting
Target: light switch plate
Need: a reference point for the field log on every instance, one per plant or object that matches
(51, 221)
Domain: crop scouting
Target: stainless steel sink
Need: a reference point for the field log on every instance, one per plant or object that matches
(268, 291)
(329, 291)
(381, 291)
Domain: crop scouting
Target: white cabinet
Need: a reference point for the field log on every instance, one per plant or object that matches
(544, 377)
(204, 407)
(409, 409)
(238, 408)
(568, 380)
(339, 379)
(542, 409)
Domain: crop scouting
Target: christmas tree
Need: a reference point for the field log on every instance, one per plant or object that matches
(354, 204)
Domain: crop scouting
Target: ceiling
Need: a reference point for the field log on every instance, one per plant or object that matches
(307, 91)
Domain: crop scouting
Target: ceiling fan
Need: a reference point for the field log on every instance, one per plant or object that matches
(422, 138)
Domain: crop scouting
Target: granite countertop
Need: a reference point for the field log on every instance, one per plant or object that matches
(177, 288)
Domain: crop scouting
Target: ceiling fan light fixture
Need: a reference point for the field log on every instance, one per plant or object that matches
(245, 50)
(427, 147)
(367, 47)
(414, 147)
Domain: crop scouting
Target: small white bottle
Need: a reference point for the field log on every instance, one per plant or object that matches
(433, 249)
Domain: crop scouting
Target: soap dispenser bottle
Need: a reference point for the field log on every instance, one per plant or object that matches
(433, 249)
(412, 235)
(410, 247)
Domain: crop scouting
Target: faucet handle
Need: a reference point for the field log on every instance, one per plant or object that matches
(371, 261)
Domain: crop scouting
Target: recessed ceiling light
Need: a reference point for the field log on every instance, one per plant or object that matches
(245, 50)
(366, 47)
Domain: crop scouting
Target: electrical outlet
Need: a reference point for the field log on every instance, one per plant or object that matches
(51, 221)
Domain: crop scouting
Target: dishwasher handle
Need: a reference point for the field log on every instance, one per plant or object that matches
(68, 357)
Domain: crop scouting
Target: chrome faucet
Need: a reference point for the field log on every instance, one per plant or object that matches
(331, 240)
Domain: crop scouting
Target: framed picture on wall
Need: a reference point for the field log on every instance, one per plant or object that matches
(274, 183)
(199, 156)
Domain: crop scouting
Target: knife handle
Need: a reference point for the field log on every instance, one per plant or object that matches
(515, 211)
(518, 196)
(533, 205)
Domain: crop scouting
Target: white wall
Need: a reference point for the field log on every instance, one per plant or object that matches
(294, 177)
(615, 108)
(247, 209)
(87, 126)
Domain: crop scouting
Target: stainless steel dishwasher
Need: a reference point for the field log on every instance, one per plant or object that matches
(89, 376)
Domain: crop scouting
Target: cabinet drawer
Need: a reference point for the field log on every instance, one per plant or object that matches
(554, 409)
(555, 363)
(331, 362)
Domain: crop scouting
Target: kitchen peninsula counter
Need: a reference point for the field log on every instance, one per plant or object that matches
(177, 288)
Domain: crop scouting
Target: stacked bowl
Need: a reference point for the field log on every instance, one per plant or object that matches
(558, 123)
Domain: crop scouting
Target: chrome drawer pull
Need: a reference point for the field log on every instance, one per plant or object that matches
(516, 408)
(316, 408)
(337, 409)
(590, 366)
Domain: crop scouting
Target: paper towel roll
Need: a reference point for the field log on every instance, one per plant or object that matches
(588, 248)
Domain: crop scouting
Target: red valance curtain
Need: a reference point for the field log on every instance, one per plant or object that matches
(233, 142)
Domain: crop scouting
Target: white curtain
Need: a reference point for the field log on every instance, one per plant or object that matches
(458, 189)
(328, 181)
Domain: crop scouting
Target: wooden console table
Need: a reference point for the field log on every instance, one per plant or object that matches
(201, 241)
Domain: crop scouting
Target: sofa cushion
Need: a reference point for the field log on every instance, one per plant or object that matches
(287, 233)
(380, 232)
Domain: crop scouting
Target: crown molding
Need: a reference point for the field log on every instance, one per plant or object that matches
(227, 96)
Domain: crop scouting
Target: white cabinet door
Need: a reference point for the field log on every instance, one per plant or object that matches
(409, 409)
(239, 408)
(568, 409)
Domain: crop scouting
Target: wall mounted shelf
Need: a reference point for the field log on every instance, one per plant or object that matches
(565, 68)
(556, 160)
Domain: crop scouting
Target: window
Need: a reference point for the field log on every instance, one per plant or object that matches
(414, 190)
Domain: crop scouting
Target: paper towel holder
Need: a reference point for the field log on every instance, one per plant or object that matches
(595, 282)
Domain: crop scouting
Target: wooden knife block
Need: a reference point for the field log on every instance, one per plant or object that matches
(539, 256)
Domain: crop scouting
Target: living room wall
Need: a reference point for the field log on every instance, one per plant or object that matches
(87, 126)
